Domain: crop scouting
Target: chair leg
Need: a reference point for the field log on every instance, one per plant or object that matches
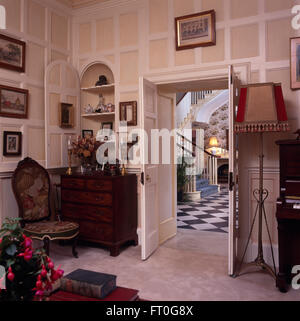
(74, 252)
(47, 245)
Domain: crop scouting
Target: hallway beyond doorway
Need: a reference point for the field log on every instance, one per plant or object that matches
(209, 214)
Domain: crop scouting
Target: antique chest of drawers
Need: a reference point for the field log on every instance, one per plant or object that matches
(105, 207)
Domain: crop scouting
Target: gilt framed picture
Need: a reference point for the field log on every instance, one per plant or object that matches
(87, 133)
(295, 62)
(196, 30)
(128, 112)
(12, 143)
(13, 102)
(66, 115)
(12, 53)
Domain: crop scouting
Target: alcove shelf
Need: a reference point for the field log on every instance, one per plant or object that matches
(99, 89)
(91, 95)
(98, 114)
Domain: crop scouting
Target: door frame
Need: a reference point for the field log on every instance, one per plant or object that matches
(242, 71)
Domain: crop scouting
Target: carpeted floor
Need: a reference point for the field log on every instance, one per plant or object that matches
(189, 267)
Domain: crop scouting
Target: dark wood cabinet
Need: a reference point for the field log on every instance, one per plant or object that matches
(104, 206)
(288, 212)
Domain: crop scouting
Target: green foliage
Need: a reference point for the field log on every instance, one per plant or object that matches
(182, 178)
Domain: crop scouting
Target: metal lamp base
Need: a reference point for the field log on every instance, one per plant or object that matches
(260, 195)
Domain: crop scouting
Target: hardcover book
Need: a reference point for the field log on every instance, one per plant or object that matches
(89, 283)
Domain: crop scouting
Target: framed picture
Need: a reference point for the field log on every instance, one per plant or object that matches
(295, 63)
(66, 115)
(196, 30)
(12, 53)
(13, 102)
(87, 133)
(12, 143)
(108, 125)
(128, 112)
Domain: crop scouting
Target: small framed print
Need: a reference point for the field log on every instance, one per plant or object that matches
(87, 133)
(12, 53)
(12, 143)
(196, 30)
(128, 112)
(66, 115)
(295, 62)
(108, 125)
(13, 102)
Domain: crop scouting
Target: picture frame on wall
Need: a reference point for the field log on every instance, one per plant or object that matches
(13, 102)
(12, 143)
(87, 133)
(295, 62)
(66, 115)
(196, 30)
(128, 112)
(12, 53)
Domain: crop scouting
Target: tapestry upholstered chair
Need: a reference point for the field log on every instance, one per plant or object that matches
(31, 186)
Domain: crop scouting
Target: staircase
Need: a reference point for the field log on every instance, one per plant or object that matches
(192, 103)
(203, 174)
(205, 189)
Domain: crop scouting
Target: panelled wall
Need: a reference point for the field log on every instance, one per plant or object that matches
(46, 29)
(138, 38)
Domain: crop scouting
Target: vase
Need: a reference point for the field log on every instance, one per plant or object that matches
(85, 166)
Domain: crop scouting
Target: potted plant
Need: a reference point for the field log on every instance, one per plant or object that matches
(29, 273)
(182, 179)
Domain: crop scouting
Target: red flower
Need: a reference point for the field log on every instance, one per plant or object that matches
(10, 274)
(27, 242)
(27, 254)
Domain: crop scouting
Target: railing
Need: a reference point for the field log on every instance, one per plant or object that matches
(188, 102)
(199, 95)
(202, 163)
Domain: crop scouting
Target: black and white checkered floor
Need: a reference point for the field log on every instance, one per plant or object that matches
(208, 214)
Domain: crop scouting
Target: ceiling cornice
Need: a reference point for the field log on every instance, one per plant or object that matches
(95, 6)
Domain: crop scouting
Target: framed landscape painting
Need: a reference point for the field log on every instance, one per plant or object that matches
(295, 63)
(13, 102)
(12, 53)
(196, 30)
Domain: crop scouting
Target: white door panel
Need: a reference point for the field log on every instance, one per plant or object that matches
(149, 188)
(61, 86)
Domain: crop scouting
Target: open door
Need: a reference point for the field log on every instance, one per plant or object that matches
(62, 85)
(233, 171)
(149, 181)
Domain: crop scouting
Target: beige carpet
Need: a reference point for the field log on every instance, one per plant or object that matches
(190, 267)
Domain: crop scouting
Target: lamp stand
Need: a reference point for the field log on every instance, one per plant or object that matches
(260, 195)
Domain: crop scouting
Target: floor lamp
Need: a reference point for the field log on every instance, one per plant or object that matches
(261, 109)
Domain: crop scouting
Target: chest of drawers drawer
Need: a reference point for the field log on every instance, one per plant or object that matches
(87, 212)
(98, 185)
(73, 183)
(96, 231)
(104, 199)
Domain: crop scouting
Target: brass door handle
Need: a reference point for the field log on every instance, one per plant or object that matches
(148, 178)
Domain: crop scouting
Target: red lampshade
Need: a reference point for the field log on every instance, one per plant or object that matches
(261, 109)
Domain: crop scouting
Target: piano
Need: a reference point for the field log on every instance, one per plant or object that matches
(288, 212)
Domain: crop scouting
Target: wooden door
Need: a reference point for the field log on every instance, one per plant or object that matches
(149, 186)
